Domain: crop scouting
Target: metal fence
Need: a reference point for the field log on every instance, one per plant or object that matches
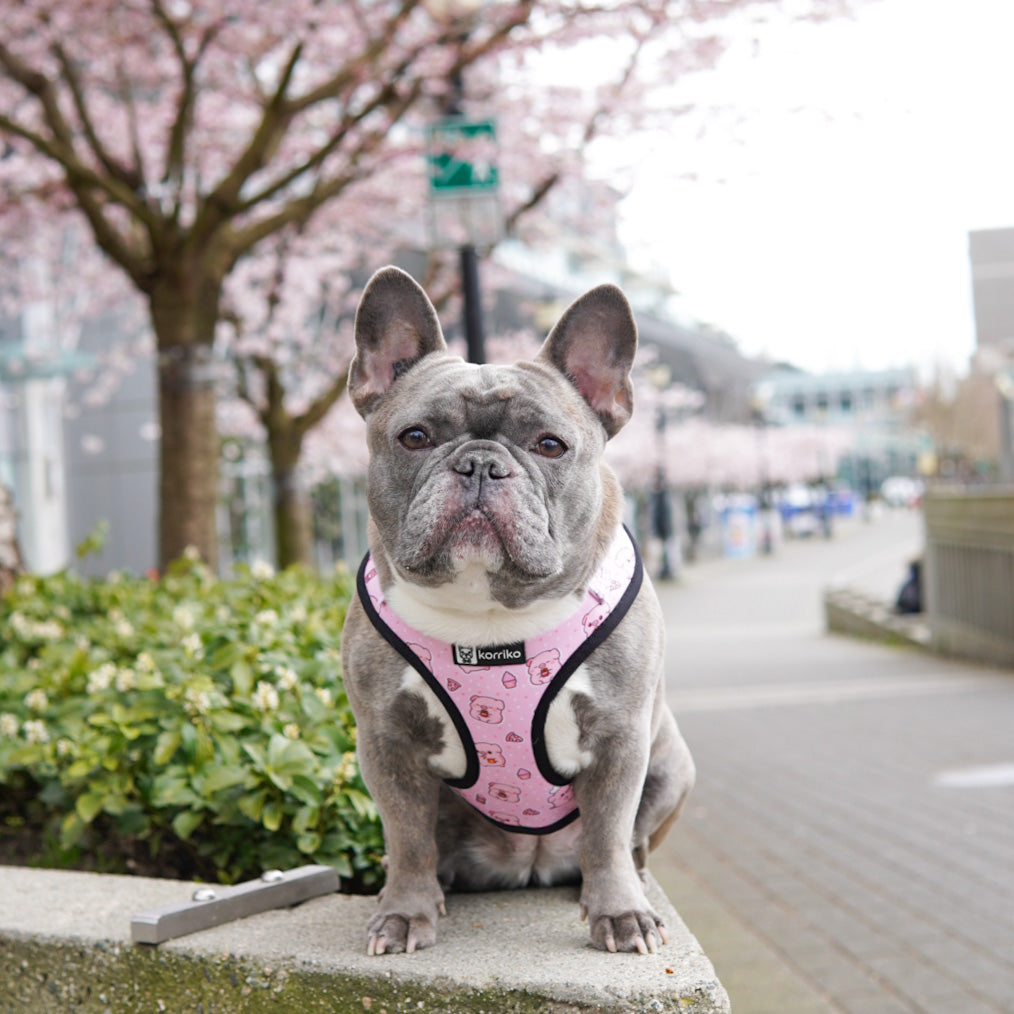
(969, 572)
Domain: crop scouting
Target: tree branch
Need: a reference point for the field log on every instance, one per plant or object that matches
(115, 169)
(176, 147)
(321, 405)
(221, 203)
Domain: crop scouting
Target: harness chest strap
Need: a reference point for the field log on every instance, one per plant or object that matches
(498, 696)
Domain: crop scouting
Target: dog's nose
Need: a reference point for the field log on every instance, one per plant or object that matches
(482, 463)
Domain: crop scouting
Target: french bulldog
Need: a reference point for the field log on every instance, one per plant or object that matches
(493, 520)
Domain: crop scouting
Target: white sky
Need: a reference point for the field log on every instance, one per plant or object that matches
(828, 226)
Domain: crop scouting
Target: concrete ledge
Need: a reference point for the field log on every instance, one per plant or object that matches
(860, 615)
(65, 945)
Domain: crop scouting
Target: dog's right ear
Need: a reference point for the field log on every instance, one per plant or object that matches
(396, 326)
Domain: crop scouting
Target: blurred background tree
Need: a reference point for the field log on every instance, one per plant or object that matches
(238, 161)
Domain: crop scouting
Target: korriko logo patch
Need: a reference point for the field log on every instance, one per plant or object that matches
(483, 655)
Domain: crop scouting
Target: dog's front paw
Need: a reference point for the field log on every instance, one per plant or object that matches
(405, 926)
(388, 933)
(641, 931)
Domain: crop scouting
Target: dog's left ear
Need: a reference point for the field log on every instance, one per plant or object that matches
(593, 345)
(396, 326)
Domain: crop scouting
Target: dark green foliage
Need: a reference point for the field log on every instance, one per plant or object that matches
(187, 726)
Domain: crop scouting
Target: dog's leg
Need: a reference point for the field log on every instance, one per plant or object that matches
(667, 785)
(407, 795)
(612, 895)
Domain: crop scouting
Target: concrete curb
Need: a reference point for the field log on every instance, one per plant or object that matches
(858, 614)
(65, 945)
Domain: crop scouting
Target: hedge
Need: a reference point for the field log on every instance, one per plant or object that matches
(185, 726)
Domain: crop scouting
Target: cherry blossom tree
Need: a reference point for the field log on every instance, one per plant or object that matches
(194, 138)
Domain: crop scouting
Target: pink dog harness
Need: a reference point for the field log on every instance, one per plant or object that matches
(499, 696)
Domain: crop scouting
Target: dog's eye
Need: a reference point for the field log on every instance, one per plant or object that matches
(415, 439)
(550, 447)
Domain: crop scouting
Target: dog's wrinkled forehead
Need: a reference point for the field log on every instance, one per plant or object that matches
(480, 399)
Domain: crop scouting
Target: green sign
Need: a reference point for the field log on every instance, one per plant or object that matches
(461, 157)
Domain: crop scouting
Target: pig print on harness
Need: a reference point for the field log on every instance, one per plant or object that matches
(498, 696)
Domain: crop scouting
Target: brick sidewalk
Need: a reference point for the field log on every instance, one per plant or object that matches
(819, 862)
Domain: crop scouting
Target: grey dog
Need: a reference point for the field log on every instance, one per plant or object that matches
(495, 526)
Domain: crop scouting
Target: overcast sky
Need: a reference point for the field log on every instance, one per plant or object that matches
(826, 221)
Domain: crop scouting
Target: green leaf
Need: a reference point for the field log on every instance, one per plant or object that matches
(242, 678)
(252, 804)
(227, 721)
(89, 805)
(306, 790)
(172, 789)
(308, 843)
(166, 745)
(271, 816)
(306, 817)
(72, 829)
(223, 777)
(290, 756)
(186, 822)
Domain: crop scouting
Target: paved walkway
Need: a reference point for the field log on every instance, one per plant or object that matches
(827, 861)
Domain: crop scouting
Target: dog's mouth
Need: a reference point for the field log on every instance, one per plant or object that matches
(479, 535)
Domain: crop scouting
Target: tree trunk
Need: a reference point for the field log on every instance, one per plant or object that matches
(293, 515)
(188, 482)
(189, 460)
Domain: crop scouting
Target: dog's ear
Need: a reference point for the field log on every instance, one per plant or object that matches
(396, 326)
(593, 345)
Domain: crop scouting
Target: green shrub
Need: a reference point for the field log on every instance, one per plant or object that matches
(189, 726)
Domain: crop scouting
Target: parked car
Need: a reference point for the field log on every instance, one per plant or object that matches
(902, 491)
(799, 511)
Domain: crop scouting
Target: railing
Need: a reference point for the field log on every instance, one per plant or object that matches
(969, 572)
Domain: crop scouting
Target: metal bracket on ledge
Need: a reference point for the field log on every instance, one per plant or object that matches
(210, 906)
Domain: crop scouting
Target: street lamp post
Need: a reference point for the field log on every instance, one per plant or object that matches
(465, 183)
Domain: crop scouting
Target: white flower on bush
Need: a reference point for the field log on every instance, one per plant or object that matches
(36, 700)
(126, 679)
(64, 748)
(185, 616)
(30, 630)
(49, 630)
(196, 701)
(265, 697)
(266, 618)
(291, 730)
(325, 696)
(192, 646)
(287, 678)
(348, 770)
(9, 725)
(298, 613)
(102, 678)
(145, 662)
(261, 570)
(35, 731)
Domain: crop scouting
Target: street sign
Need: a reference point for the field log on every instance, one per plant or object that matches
(461, 155)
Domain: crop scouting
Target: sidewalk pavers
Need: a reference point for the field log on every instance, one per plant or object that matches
(819, 862)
